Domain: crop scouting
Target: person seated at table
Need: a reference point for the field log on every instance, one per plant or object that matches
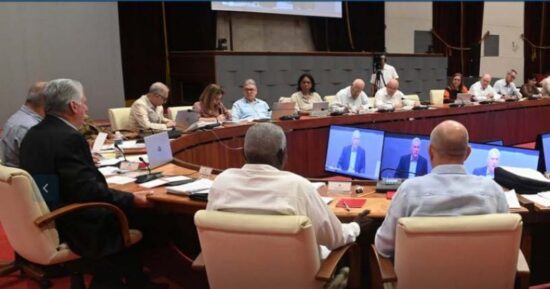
(529, 89)
(262, 187)
(545, 86)
(482, 90)
(249, 107)
(389, 97)
(351, 99)
(447, 191)
(506, 88)
(305, 94)
(210, 103)
(455, 87)
(147, 112)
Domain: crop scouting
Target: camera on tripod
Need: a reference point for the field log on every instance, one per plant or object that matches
(377, 59)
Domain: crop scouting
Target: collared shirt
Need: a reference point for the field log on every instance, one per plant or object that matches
(352, 159)
(447, 191)
(545, 84)
(388, 73)
(144, 115)
(263, 189)
(344, 100)
(305, 104)
(506, 89)
(481, 94)
(382, 99)
(66, 122)
(244, 109)
(15, 129)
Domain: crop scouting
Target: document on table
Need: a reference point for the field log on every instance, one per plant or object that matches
(199, 186)
(512, 199)
(120, 180)
(538, 200)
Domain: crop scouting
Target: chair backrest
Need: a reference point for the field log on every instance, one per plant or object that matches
(173, 111)
(330, 99)
(371, 101)
(119, 118)
(248, 251)
(21, 204)
(478, 251)
(413, 97)
(436, 96)
(285, 99)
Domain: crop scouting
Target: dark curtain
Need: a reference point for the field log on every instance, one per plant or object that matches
(448, 19)
(189, 25)
(361, 28)
(537, 31)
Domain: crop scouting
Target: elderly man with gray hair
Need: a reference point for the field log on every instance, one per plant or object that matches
(17, 126)
(412, 164)
(249, 107)
(58, 157)
(262, 187)
(147, 112)
(448, 190)
(493, 159)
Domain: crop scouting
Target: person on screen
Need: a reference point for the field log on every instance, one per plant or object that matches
(352, 159)
(250, 107)
(455, 87)
(448, 190)
(351, 99)
(493, 158)
(413, 164)
(305, 94)
(262, 187)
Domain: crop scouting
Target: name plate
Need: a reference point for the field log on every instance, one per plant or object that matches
(129, 166)
(339, 187)
(205, 171)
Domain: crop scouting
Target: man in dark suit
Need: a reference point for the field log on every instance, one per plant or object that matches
(58, 157)
(352, 159)
(413, 164)
(493, 158)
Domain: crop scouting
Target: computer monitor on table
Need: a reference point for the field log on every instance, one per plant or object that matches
(543, 145)
(405, 156)
(354, 152)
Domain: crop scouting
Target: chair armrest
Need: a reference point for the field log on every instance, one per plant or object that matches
(121, 217)
(383, 265)
(523, 274)
(328, 266)
(198, 263)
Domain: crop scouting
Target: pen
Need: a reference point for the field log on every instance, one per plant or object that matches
(346, 205)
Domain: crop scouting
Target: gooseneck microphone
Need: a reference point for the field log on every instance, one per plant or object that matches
(121, 151)
(148, 177)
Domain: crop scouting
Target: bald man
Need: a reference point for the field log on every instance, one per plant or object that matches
(351, 99)
(447, 191)
(17, 126)
(482, 90)
(147, 112)
(262, 187)
(389, 97)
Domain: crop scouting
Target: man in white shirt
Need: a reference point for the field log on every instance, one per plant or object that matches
(545, 87)
(261, 187)
(388, 73)
(389, 97)
(351, 99)
(482, 90)
(506, 88)
(147, 112)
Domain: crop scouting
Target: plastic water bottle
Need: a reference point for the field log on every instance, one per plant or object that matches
(118, 138)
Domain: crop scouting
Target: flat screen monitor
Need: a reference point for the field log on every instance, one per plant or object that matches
(354, 151)
(484, 158)
(545, 150)
(405, 156)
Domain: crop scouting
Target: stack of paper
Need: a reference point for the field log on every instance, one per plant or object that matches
(109, 171)
(200, 186)
(162, 181)
(542, 201)
(512, 199)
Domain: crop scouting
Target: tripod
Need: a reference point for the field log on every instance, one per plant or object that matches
(379, 81)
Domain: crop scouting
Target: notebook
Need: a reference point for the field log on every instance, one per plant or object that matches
(158, 148)
(351, 203)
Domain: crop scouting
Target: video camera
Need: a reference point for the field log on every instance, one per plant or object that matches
(377, 61)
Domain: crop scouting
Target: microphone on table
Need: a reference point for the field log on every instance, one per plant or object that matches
(390, 184)
(121, 151)
(148, 177)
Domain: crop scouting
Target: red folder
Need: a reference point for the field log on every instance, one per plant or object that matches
(351, 202)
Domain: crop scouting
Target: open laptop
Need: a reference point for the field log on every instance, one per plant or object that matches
(463, 98)
(320, 109)
(158, 148)
(185, 118)
(281, 109)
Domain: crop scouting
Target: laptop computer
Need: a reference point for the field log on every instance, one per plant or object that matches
(185, 118)
(158, 148)
(463, 98)
(279, 109)
(320, 109)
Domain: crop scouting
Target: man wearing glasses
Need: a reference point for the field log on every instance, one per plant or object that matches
(147, 112)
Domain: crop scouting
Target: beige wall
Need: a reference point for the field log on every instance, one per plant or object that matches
(402, 19)
(43, 41)
(504, 19)
(265, 32)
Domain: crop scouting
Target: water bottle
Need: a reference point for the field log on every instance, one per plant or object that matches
(118, 138)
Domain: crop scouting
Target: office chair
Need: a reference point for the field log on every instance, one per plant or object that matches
(480, 251)
(119, 118)
(30, 228)
(436, 96)
(249, 251)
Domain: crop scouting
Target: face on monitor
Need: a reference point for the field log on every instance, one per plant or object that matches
(405, 156)
(485, 158)
(354, 151)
